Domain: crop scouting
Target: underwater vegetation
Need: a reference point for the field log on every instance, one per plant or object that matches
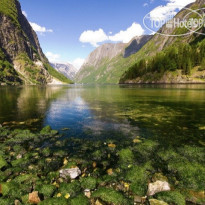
(46, 169)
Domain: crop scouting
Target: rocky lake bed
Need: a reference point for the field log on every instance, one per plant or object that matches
(44, 168)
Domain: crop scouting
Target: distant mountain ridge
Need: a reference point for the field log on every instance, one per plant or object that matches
(100, 66)
(21, 57)
(67, 69)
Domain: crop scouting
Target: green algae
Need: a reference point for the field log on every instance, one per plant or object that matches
(88, 183)
(3, 162)
(110, 196)
(79, 200)
(172, 197)
(113, 175)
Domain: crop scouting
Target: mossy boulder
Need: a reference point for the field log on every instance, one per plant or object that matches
(138, 177)
(172, 197)
(79, 200)
(109, 195)
(3, 162)
(11, 190)
(46, 190)
(189, 174)
(126, 157)
(157, 202)
(72, 188)
(88, 183)
(54, 201)
(48, 131)
(6, 201)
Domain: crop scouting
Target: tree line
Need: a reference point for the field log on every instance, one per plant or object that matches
(181, 56)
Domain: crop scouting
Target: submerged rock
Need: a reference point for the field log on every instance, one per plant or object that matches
(139, 199)
(72, 173)
(17, 202)
(112, 145)
(87, 193)
(196, 196)
(157, 202)
(34, 198)
(3, 162)
(158, 186)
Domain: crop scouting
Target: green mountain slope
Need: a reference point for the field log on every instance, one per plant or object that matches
(108, 62)
(121, 69)
(22, 59)
(166, 59)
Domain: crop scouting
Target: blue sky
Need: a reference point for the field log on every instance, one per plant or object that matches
(69, 30)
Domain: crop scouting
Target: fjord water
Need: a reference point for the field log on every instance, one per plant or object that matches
(171, 114)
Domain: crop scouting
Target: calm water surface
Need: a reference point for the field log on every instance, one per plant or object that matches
(170, 114)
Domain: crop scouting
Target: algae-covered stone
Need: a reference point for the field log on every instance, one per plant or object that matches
(157, 202)
(72, 188)
(196, 197)
(54, 201)
(146, 149)
(46, 190)
(46, 152)
(190, 175)
(160, 177)
(6, 201)
(48, 131)
(138, 178)
(3, 162)
(112, 145)
(172, 197)
(80, 200)
(110, 196)
(126, 156)
(88, 183)
(11, 189)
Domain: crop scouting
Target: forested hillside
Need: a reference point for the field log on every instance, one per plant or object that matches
(179, 56)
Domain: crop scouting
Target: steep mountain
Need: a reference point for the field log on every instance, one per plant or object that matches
(67, 69)
(21, 57)
(107, 63)
(136, 44)
(171, 59)
(122, 68)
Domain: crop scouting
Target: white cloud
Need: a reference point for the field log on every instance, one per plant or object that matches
(93, 37)
(125, 36)
(78, 62)
(99, 36)
(25, 14)
(163, 12)
(145, 4)
(39, 28)
(52, 57)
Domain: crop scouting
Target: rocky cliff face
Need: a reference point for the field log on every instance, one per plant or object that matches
(106, 51)
(136, 44)
(20, 46)
(18, 37)
(67, 69)
(103, 65)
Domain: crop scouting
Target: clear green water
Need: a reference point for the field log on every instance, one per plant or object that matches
(171, 114)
